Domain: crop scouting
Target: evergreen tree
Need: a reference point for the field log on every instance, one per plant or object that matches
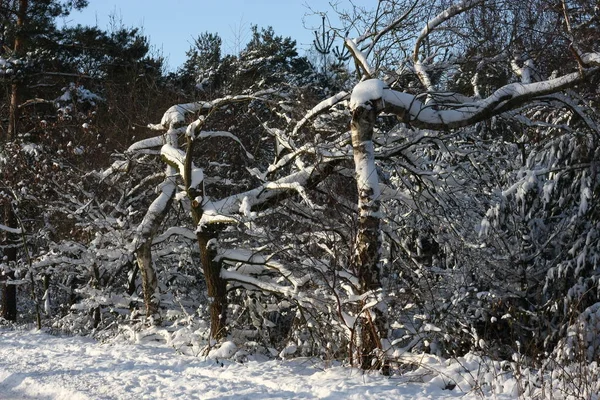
(26, 24)
(203, 68)
(67, 90)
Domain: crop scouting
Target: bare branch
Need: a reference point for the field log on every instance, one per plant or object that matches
(431, 25)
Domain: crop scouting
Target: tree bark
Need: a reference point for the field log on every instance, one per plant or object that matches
(147, 230)
(15, 95)
(207, 242)
(9, 292)
(8, 305)
(149, 280)
(365, 260)
(216, 286)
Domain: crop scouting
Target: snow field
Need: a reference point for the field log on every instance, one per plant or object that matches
(36, 365)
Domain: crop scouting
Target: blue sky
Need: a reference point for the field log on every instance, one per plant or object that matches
(172, 25)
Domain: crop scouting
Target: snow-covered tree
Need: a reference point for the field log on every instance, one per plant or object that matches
(522, 98)
(444, 204)
(428, 251)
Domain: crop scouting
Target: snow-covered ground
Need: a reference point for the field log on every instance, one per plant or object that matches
(36, 365)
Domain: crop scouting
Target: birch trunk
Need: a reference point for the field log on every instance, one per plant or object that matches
(372, 320)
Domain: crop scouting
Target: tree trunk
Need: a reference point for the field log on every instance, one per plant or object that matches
(9, 299)
(207, 242)
(216, 286)
(147, 230)
(131, 286)
(365, 260)
(149, 280)
(15, 94)
(9, 292)
(13, 112)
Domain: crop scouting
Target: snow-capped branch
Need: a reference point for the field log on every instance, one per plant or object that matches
(175, 231)
(175, 115)
(223, 211)
(359, 58)
(287, 142)
(419, 114)
(366, 92)
(302, 299)
(320, 108)
(592, 59)
(439, 19)
(116, 167)
(292, 186)
(256, 263)
(155, 213)
(8, 229)
(173, 156)
(431, 25)
(177, 158)
(229, 135)
(149, 143)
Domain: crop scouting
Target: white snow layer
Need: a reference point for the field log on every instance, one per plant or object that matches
(461, 115)
(177, 157)
(148, 143)
(38, 366)
(176, 114)
(359, 56)
(591, 58)
(365, 91)
(374, 89)
(366, 171)
(319, 108)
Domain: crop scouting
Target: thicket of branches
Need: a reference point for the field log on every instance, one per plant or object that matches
(436, 194)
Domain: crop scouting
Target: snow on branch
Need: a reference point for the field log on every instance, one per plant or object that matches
(173, 156)
(8, 229)
(252, 262)
(116, 167)
(175, 231)
(290, 292)
(448, 116)
(431, 25)
(292, 186)
(249, 263)
(176, 158)
(175, 115)
(591, 59)
(366, 92)
(222, 211)
(155, 212)
(286, 159)
(149, 143)
(320, 108)
(439, 19)
(359, 57)
(211, 134)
